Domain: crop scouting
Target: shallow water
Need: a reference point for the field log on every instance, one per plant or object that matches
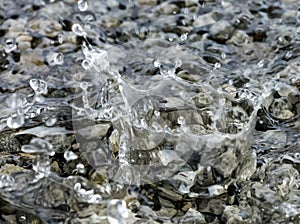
(140, 111)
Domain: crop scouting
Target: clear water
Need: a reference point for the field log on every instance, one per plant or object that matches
(145, 111)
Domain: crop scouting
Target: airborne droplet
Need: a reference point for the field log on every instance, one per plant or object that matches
(78, 30)
(59, 59)
(10, 46)
(69, 155)
(82, 5)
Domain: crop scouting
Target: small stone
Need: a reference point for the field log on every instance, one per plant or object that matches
(99, 177)
(90, 132)
(55, 167)
(24, 37)
(167, 212)
(221, 31)
(187, 206)
(216, 190)
(147, 2)
(204, 20)
(170, 194)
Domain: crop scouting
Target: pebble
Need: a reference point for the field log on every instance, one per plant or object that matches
(166, 212)
(204, 20)
(221, 31)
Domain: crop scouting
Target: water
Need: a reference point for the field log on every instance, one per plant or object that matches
(144, 111)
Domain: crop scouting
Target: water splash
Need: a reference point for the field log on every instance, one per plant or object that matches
(117, 211)
(39, 86)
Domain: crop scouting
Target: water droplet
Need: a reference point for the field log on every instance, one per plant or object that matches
(41, 166)
(22, 219)
(39, 86)
(156, 63)
(117, 211)
(38, 145)
(217, 65)
(95, 199)
(59, 59)
(77, 187)
(15, 121)
(80, 168)
(288, 55)
(86, 64)
(184, 37)
(51, 122)
(69, 155)
(84, 85)
(260, 64)
(82, 5)
(60, 38)
(223, 56)
(78, 30)
(10, 46)
(87, 26)
(156, 113)
(178, 63)
(181, 120)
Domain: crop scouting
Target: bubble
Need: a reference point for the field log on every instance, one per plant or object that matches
(59, 59)
(82, 5)
(78, 30)
(86, 64)
(9, 46)
(69, 155)
(39, 86)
